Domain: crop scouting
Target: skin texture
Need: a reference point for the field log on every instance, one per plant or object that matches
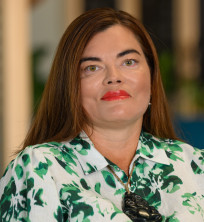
(112, 61)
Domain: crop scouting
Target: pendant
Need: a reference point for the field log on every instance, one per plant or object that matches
(138, 209)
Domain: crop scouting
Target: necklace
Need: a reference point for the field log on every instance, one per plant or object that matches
(134, 206)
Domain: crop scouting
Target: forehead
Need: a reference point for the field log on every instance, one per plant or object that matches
(113, 39)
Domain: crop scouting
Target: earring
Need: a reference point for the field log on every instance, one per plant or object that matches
(149, 107)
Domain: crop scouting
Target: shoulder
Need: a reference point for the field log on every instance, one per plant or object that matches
(36, 159)
(186, 149)
(45, 151)
(172, 144)
(29, 180)
(179, 151)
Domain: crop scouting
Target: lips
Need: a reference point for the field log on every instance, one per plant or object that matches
(115, 95)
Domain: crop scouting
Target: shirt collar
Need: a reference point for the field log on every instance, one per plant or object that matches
(91, 160)
(152, 148)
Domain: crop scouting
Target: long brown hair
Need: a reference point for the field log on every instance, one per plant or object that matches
(60, 115)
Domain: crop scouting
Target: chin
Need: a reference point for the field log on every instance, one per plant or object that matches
(126, 118)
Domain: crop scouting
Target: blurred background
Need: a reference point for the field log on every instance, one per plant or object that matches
(29, 34)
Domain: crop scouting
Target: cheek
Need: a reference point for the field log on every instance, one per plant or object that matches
(90, 86)
(142, 86)
(89, 91)
(146, 86)
(85, 92)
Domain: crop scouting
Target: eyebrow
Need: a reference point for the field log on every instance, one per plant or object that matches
(90, 59)
(128, 51)
(123, 53)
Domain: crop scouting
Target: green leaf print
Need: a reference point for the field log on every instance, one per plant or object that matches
(172, 218)
(172, 148)
(24, 193)
(59, 215)
(81, 146)
(146, 151)
(99, 209)
(201, 158)
(98, 187)
(200, 153)
(159, 176)
(70, 196)
(29, 184)
(26, 159)
(66, 166)
(76, 141)
(170, 182)
(55, 144)
(84, 184)
(109, 178)
(85, 208)
(149, 141)
(85, 145)
(194, 203)
(42, 169)
(11, 207)
(49, 163)
(196, 169)
(86, 220)
(68, 156)
(55, 151)
(173, 151)
(38, 198)
(116, 211)
(154, 199)
(5, 202)
(91, 168)
(83, 152)
(64, 153)
(19, 171)
(119, 191)
(65, 157)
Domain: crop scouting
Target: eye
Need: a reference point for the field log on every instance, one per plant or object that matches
(130, 62)
(91, 68)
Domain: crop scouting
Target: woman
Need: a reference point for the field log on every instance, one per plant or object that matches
(102, 147)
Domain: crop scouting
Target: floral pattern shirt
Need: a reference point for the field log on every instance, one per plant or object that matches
(70, 181)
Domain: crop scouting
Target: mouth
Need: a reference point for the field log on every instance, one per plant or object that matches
(115, 95)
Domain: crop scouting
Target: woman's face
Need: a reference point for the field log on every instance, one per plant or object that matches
(115, 79)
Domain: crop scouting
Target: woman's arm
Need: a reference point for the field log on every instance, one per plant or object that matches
(28, 191)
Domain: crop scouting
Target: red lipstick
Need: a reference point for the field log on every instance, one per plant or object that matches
(115, 95)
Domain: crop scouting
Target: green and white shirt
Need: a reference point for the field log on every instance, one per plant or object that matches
(70, 181)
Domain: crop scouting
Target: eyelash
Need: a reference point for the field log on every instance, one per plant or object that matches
(86, 69)
(132, 60)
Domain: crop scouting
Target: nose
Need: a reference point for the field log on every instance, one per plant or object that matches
(113, 76)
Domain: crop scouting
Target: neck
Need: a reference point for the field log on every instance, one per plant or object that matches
(117, 145)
